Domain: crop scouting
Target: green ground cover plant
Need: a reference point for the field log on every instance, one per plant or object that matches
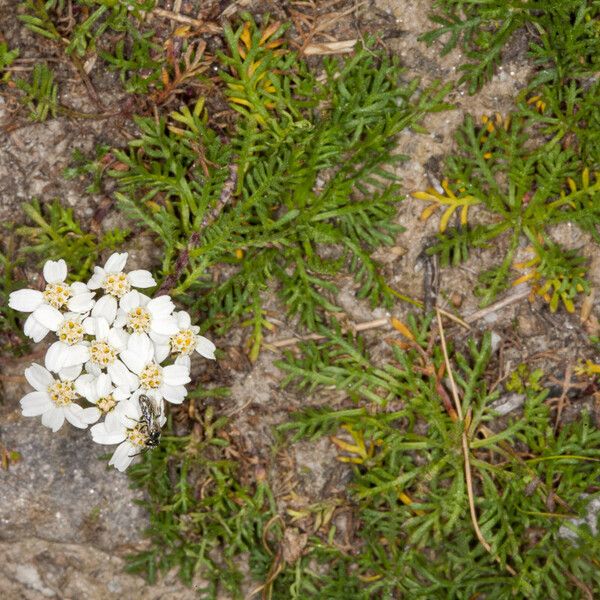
(410, 484)
(295, 184)
(562, 35)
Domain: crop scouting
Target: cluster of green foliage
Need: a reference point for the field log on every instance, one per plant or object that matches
(409, 489)
(308, 166)
(295, 186)
(202, 518)
(55, 233)
(537, 166)
(86, 23)
(563, 36)
(527, 187)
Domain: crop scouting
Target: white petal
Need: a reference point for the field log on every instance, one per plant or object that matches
(81, 303)
(103, 385)
(25, 300)
(35, 403)
(183, 320)
(164, 325)
(141, 343)
(92, 368)
(90, 415)
(161, 352)
(56, 356)
(141, 278)
(123, 456)
(184, 360)
(159, 340)
(130, 301)
(116, 262)
(38, 377)
(133, 361)
(76, 355)
(176, 375)
(70, 373)
(118, 338)
(102, 435)
(97, 279)
(173, 393)
(55, 271)
(79, 287)
(121, 393)
(48, 316)
(34, 329)
(101, 329)
(205, 347)
(74, 414)
(54, 418)
(105, 307)
(121, 376)
(85, 387)
(161, 306)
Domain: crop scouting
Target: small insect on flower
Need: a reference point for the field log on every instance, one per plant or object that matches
(150, 418)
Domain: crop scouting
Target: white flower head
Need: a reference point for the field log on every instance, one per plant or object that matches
(156, 382)
(45, 306)
(71, 349)
(100, 391)
(54, 400)
(129, 431)
(184, 342)
(104, 352)
(142, 315)
(116, 284)
(114, 281)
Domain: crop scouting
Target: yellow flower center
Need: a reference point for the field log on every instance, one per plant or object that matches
(57, 294)
(102, 354)
(70, 332)
(62, 393)
(183, 342)
(136, 436)
(106, 403)
(116, 284)
(151, 376)
(138, 320)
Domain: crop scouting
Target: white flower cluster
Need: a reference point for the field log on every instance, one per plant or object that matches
(110, 354)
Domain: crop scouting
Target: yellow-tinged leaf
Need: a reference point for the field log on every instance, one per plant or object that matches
(487, 155)
(348, 447)
(164, 77)
(269, 31)
(447, 189)
(355, 460)
(464, 214)
(572, 184)
(239, 254)
(369, 578)
(446, 218)
(241, 101)
(524, 278)
(568, 303)
(182, 31)
(246, 36)
(153, 206)
(405, 499)
(585, 178)
(402, 328)
(426, 196)
(428, 211)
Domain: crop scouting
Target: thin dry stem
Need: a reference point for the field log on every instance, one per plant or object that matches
(465, 447)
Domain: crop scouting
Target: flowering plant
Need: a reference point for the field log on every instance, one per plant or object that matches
(117, 357)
